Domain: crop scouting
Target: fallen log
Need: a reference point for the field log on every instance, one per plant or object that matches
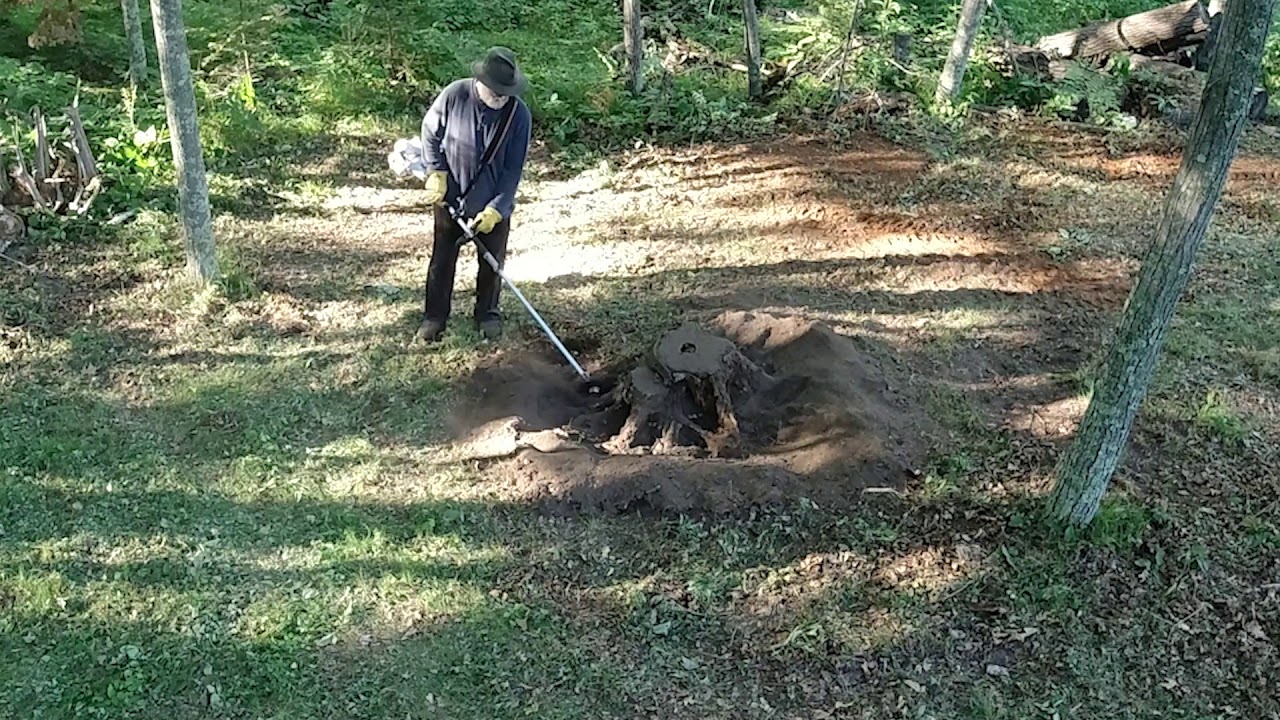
(1160, 31)
(875, 103)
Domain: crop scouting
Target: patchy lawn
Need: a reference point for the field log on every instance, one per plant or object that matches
(241, 503)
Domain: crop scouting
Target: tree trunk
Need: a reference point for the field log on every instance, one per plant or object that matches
(633, 42)
(1163, 27)
(754, 87)
(949, 84)
(137, 46)
(1087, 466)
(1205, 52)
(184, 131)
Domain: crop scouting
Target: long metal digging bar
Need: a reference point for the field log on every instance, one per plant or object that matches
(469, 231)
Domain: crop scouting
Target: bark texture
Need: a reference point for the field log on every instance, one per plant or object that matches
(1152, 28)
(184, 132)
(755, 87)
(1085, 470)
(633, 42)
(137, 46)
(1205, 52)
(971, 12)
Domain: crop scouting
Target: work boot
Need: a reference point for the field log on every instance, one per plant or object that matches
(491, 330)
(430, 331)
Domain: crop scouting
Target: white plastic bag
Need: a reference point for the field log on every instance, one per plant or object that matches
(406, 159)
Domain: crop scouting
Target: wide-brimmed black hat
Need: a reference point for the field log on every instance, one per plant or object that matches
(499, 72)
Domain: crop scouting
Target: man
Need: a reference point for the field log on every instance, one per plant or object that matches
(468, 117)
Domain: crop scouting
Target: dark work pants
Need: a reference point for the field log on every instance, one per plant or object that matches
(444, 261)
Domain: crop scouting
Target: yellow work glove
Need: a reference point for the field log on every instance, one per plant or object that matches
(487, 220)
(437, 186)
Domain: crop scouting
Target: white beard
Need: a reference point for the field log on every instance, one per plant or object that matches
(491, 99)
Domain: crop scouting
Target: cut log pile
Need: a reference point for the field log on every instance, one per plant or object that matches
(1171, 42)
(61, 177)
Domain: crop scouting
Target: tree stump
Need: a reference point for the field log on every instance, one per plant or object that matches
(685, 404)
(12, 229)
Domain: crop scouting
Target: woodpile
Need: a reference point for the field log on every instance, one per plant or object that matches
(1165, 49)
(61, 177)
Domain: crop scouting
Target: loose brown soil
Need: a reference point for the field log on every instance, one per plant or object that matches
(811, 413)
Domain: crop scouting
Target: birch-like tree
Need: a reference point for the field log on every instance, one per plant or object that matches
(184, 138)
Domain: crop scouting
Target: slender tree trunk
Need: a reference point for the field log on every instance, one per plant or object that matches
(137, 46)
(752, 21)
(971, 12)
(633, 41)
(1087, 466)
(184, 132)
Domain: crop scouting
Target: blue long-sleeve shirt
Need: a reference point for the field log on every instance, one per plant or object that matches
(455, 132)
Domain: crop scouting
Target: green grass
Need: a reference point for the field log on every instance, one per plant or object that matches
(206, 511)
(1218, 417)
(201, 515)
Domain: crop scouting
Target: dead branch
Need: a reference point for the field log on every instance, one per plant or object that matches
(5, 185)
(22, 177)
(40, 165)
(80, 144)
(90, 181)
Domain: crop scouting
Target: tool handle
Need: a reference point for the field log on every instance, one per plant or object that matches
(468, 229)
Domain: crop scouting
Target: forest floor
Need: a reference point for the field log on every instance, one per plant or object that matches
(244, 503)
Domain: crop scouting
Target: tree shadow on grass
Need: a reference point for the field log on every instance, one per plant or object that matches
(278, 655)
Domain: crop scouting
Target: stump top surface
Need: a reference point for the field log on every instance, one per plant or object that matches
(692, 350)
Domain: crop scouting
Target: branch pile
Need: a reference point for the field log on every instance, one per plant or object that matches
(1170, 45)
(61, 177)
(676, 53)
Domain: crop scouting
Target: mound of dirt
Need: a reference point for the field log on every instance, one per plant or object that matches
(756, 409)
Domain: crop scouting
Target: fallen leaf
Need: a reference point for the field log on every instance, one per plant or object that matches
(1026, 633)
(997, 671)
(1255, 630)
(689, 663)
(914, 685)
(662, 628)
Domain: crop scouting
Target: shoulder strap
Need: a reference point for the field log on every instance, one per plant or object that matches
(507, 117)
(492, 150)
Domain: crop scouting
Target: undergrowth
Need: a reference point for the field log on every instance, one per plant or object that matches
(276, 75)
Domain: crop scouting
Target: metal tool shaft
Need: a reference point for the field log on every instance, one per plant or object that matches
(469, 231)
